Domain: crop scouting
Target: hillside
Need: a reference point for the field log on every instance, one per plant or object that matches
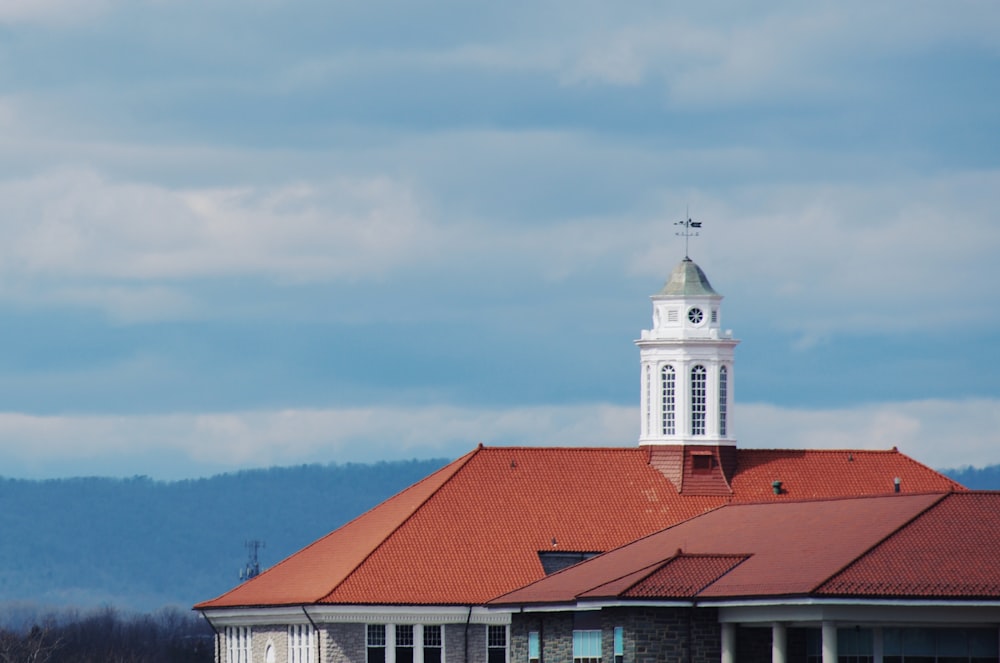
(142, 544)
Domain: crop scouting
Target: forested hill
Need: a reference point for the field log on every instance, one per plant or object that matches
(981, 478)
(142, 544)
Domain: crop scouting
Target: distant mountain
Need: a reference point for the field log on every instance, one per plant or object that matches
(142, 544)
(977, 478)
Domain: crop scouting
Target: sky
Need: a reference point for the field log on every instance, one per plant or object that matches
(244, 233)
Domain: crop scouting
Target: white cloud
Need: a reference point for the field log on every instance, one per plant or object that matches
(74, 236)
(853, 257)
(775, 52)
(938, 433)
(50, 11)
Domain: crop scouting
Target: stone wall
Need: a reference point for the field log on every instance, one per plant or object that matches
(650, 635)
(343, 643)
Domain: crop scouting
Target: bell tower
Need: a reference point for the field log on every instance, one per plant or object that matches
(687, 382)
(687, 364)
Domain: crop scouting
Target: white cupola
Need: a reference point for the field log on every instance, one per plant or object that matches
(686, 360)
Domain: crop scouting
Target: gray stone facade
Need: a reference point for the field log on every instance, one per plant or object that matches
(650, 635)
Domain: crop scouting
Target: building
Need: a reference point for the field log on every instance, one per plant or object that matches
(409, 581)
(883, 579)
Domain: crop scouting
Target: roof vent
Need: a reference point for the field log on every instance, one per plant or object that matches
(776, 487)
(895, 485)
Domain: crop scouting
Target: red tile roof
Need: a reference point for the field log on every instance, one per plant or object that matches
(953, 550)
(473, 530)
(790, 548)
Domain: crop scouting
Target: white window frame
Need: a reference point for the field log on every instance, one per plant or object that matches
(418, 642)
(239, 644)
(723, 401)
(506, 639)
(587, 645)
(301, 647)
(668, 400)
(699, 399)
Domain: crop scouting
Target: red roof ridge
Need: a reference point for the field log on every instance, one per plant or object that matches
(459, 463)
(528, 447)
(841, 498)
(883, 539)
(894, 450)
(454, 466)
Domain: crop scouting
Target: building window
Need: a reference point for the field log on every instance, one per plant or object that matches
(404, 643)
(937, 645)
(668, 379)
(534, 647)
(698, 400)
(587, 646)
(496, 644)
(238, 644)
(855, 645)
(723, 399)
(701, 463)
(619, 644)
(649, 399)
(300, 643)
(433, 644)
(376, 643)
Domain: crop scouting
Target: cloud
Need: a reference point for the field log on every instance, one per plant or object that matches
(50, 11)
(76, 223)
(718, 58)
(938, 433)
(889, 257)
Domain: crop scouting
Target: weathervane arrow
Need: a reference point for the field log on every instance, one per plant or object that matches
(687, 234)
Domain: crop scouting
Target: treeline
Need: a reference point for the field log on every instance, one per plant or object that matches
(140, 544)
(107, 636)
(977, 478)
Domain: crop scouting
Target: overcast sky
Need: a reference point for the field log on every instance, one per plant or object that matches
(241, 233)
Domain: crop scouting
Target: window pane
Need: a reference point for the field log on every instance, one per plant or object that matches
(698, 405)
(376, 635)
(496, 636)
(586, 646)
(533, 645)
(432, 636)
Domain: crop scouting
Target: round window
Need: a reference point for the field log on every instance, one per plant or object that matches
(696, 315)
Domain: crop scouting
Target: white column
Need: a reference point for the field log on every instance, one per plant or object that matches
(728, 642)
(878, 644)
(779, 646)
(829, 642)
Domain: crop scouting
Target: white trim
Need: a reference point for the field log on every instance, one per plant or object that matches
(598, 605)
(359, 614)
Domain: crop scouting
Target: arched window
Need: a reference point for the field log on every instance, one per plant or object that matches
(723, 399)
(668, 396)
(698, 400)
(648, 422)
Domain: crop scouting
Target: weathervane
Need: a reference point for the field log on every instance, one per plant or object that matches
(687, 224)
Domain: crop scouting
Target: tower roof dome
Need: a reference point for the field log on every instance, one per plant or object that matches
(687, 280)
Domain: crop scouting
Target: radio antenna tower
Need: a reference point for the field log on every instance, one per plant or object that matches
(252, 569)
